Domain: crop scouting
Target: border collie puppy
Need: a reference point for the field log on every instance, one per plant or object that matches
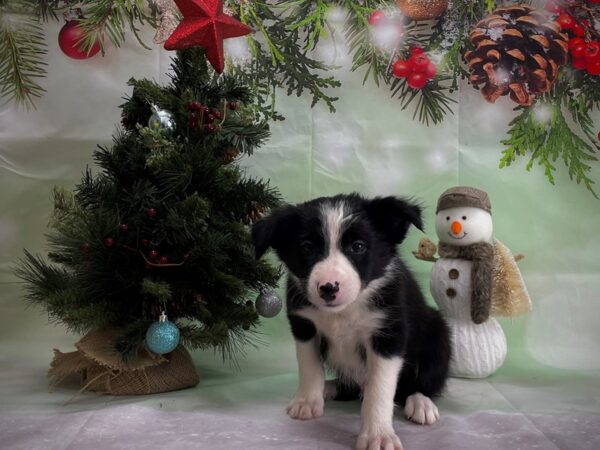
(354, 307)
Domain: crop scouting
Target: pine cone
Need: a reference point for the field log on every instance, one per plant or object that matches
(255, 212)
(518, 51)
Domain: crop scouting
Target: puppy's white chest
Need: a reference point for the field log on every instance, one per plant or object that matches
(348, 335)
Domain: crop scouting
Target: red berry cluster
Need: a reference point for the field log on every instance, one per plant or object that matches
(584, 50)
(417, 69)
(200, 116)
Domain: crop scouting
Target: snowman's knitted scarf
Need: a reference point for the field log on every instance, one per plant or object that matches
(482, 255)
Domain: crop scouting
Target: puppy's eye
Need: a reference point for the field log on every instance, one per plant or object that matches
(448, 218)
(306, 247)
(358, 247)
(464, 217)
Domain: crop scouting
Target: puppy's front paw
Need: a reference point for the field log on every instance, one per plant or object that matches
(306, 406)
(378, 439)
(420, 409)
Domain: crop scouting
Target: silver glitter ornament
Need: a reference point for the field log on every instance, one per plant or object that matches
(161, 120)
(268, 304)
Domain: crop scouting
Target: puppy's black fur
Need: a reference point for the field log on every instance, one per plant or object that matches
(410, 329)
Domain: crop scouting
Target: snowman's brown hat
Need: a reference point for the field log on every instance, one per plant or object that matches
(464, 196)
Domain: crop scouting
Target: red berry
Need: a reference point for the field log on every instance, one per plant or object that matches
(145, 242)
(210, 118)
(376, 17)
(576, 41)
(151, 212)
(195, 106)
(163, 260)
(217, 114)
(585, 23)
(401, 68)
(593, 68)
(578, 30)
(153, 254)
(431, 70)
(417, 80)
(578, 52)
(233, 106)
(552, 7)
(123, 227)
(592, 52)
(579, 63)
(566, 21)
(415, 50)
(109, 242)
(205, 110)
(418, 62)
(210, 128)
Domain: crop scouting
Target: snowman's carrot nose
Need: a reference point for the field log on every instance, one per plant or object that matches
(456, 227)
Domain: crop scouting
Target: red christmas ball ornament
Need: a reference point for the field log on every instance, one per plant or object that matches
(401, 69)
(416, 50)
(109, 242)
(418, 62)
(153, 254)
(376, 17)
(69, 40)
(566, 21)
(151, 212)
(163, 260)
(417, 80)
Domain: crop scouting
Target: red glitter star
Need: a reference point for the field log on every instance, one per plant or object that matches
(205, 25)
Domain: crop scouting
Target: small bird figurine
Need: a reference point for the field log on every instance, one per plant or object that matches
(427, 250)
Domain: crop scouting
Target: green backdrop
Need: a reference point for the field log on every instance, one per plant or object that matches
(369, 146)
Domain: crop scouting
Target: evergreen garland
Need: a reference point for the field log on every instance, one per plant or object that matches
(287, 31)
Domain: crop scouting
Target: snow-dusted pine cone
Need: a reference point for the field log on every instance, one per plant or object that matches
(517, 51)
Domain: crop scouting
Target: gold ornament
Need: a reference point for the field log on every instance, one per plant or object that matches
(169, 19)
(422, 9)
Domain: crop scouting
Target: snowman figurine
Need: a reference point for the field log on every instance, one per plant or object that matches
(462, 279)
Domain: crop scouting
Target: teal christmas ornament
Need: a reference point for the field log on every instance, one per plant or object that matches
(162, 336)
(161, 120)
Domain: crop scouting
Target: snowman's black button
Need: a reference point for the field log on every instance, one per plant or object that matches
(453, 274)
(450, 292)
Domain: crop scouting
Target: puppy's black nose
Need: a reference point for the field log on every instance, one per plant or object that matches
(327, 291)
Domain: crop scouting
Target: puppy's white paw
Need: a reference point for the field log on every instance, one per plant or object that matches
(420, 409)
(306, 406)
(378, 439)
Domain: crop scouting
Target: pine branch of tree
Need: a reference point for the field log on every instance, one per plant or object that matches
(22, 53)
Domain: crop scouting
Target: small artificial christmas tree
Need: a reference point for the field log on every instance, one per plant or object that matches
(164, 226)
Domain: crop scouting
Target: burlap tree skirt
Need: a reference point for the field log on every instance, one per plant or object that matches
(102, 369)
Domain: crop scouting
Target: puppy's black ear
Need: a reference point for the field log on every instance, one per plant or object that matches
(272, 230)
(391, 216)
